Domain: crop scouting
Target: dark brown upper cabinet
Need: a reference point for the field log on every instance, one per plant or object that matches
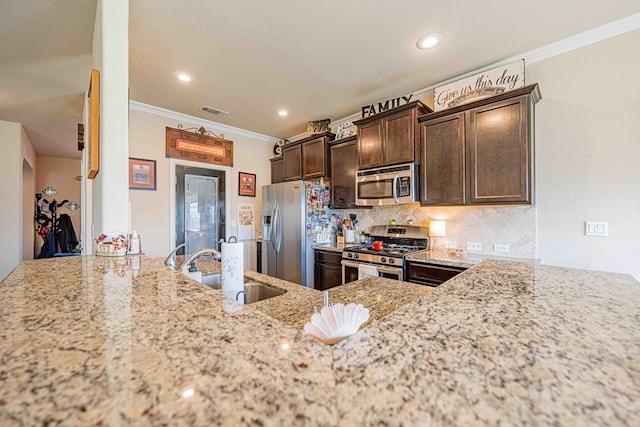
(442, 177)
(277, 169)
(292, 160)
(390, 137)
(307, 158)
(480, 153)
(343, 159)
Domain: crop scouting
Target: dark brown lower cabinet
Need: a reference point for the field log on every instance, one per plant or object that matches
(327, 269)
(430, 274)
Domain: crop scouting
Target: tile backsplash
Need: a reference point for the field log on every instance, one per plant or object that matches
(514, 225)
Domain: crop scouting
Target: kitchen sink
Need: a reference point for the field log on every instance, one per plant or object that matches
(254, 291)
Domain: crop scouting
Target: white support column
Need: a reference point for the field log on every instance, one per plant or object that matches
(113, 176)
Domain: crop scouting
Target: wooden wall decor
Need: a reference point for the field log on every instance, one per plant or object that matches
(199, 146)
(94, 125)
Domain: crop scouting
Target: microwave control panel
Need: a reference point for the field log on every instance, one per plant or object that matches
(404, 184)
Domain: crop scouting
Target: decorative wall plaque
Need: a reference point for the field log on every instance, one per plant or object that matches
(482, 85)
(319, 126)
(199, 146)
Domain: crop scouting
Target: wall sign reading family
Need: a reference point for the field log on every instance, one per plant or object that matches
(246, 184)
(479, 86)
(370, 110)
(142, 174)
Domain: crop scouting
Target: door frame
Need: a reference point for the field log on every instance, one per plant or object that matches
(172, 194)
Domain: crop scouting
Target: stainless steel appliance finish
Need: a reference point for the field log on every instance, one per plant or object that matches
(390, 185)
(398, 241)
(285, 246)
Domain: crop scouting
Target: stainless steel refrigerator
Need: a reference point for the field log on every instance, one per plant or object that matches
(286, 250)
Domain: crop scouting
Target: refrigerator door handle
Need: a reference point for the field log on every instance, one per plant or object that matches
(270, 235)
(277, 238)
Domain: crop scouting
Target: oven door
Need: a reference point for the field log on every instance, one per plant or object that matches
(350, 271)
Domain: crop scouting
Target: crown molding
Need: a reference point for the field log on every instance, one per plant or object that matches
(219, 127)
(594, 35)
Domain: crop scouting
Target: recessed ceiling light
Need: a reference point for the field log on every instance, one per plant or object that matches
(429, 41)
(283, 113)
(185, 77)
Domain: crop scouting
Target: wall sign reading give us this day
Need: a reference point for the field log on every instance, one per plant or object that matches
(479, 86)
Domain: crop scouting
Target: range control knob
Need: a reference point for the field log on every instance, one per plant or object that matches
(349, 255)
(355, 256)
(383, 259)
(392, 261)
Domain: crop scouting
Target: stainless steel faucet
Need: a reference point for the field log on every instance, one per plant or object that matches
(194, 256)
(170, 261)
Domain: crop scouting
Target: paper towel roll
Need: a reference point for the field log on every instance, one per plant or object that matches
(233, 271)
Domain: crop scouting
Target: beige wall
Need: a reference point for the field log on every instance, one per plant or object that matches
(17, 150)
(587, 151)
(151, 210)
(60, 173)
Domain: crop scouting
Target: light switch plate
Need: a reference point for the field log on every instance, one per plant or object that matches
(596, 228)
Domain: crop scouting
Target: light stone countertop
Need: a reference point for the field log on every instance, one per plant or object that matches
(125, 341)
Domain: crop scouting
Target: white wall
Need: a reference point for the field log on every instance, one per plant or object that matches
(17, 149)
(151, 210)
(587, 151)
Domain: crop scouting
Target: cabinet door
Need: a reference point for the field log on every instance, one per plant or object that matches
(343, 175)
(399, 138)
(370, 152)
(442, 164)
(277, 170)
(326, 276)
(292, 163)
(498, 153)
(313, 159)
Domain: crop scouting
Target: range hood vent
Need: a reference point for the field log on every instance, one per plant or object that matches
(214, 111)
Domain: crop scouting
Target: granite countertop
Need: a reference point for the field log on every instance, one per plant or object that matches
(464, 260)
(125, 341)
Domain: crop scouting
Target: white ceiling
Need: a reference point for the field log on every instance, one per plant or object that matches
(251, 58)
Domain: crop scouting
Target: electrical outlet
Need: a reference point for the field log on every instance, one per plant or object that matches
(450, 245)
(596, 228)
(501, 247)
(474, 246)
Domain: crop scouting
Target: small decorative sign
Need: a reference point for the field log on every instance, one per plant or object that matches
(479, 86)
(198, 147)
(346, 129)
(319, 126)
(370, 110)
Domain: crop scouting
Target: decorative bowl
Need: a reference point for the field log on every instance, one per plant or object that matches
(112, 244)
(336, 322)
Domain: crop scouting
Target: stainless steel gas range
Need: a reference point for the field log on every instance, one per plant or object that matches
(385, 258)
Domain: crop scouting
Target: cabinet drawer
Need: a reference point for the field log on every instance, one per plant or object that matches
(429, 274)
(328, 257)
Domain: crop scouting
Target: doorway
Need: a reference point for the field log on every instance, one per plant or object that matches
(200, 208)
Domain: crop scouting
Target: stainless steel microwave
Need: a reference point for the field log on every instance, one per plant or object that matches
(389, 185)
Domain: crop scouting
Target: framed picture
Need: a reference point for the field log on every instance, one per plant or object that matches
(93, 156)
(246, 184)
(142, 174)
